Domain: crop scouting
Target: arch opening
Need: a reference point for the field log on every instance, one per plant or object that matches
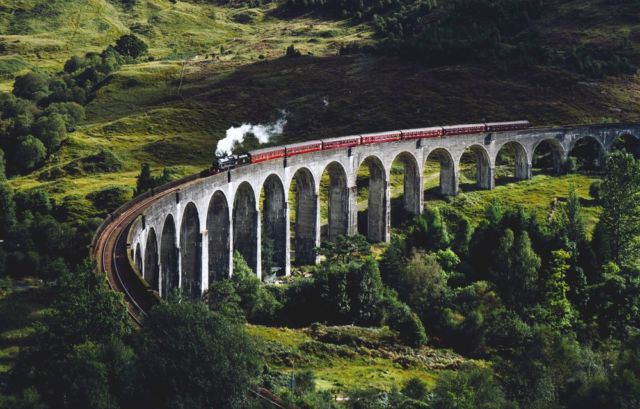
(245, 225)
(628, 143)
(586, 154)
(475, 169)
(440, 178)
(548, 157)
(169, 257)
(334, 195)
(511, 163)
(218, 233)
(405, 182)
(303, 217)
(372, 183)
(191, 252)
(274, 225)
(151, 266)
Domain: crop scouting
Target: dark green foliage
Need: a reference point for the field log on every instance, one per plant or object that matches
(147, 181)
(130, 45)
(191, 357)
(32, 86)
(7, 210)
(620, 193)
(51, 130)
(221, 297)
(615, 299)
(393, 261)
(256, 303)
(110, 198)
(429, 232)
(514, 270)
(415, 388)
(102, 161)
(345, 248)
(472, 388)
(3, 163)
(71, 112)
(68, 360)
(30, 153)
(400, 318)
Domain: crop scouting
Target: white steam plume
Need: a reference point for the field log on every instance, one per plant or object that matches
(235, 134)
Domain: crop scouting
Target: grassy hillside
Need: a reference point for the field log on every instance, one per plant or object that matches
(170, 113)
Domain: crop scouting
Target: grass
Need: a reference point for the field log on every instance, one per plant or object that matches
(340, 366)
(20, 306)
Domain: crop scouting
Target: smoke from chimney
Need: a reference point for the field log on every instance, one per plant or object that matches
(236, 134)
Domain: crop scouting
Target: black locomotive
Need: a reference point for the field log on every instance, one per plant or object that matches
(226, 162)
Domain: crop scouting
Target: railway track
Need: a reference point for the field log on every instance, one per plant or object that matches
(110, 252)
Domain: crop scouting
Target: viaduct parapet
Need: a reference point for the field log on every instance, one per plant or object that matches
(185, 239)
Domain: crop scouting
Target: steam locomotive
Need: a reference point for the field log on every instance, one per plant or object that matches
(227, 162)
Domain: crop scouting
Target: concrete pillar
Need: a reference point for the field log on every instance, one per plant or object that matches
(448, 178)
(231, 248)
(307, 233)
(378, 216)
(386, 234)
(204, 260)
(523, 170)
(287, 239)
(351, 210)
(258, 265)
(486, 176)
(412, 192)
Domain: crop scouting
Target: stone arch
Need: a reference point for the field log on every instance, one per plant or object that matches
(245, 224)
(411, 183)
(483, 170)
(448, 180)
(305, 223)
(138, 257)
(626, 141)
(589, 150)
(169, 257)
(377, 196)
(522, 168)
(550, 154)
(338, 201)
(219, 234)
(151, 266)
(191, 252)
(274, 222)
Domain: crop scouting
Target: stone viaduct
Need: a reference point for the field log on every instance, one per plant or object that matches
(186, 239)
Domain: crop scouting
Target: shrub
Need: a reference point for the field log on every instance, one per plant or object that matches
(130, 45)
(400, 318)
(29, 153)
(110, 198)
(415, 388)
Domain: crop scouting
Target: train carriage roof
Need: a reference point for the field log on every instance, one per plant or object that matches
(340, 138)
(305, 143)
(266, 150)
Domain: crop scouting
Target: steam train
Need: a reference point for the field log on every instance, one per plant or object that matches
(227, 162)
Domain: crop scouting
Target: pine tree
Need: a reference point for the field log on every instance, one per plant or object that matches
(621, 206)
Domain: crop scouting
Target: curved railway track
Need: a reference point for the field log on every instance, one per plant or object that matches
(110, 251)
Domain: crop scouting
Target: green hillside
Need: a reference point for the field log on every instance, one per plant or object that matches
(169, 112)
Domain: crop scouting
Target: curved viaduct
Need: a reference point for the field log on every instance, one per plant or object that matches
(184, 235)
